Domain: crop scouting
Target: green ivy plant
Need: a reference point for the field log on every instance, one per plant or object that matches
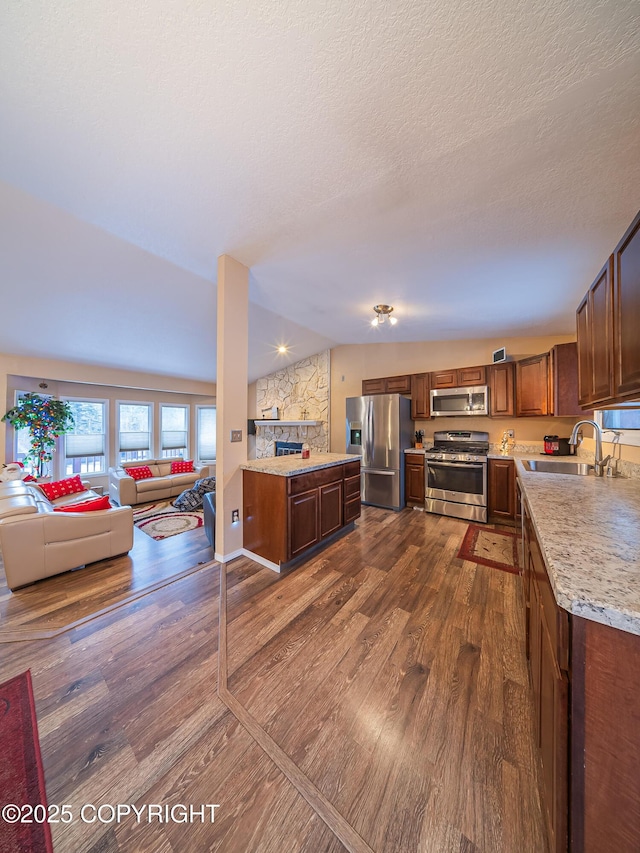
(46, 418)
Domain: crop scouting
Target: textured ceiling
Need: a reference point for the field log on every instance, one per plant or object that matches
(471, 163)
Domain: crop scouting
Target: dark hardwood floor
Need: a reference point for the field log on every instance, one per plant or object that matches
(381, 686)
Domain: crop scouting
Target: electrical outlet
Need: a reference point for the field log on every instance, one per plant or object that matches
(235, 516)
(510, 433)
(236, 435)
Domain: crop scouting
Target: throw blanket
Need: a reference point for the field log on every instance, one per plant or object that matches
(192, 498)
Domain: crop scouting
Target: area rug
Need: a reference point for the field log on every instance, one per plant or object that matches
(161, 520)
(22, 786)
(488, 547)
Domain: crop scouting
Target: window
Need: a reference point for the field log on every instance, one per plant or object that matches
(625, 419)
(206, 433)
(174, 425)
(84, 447)
(21, 437)
(134, 431)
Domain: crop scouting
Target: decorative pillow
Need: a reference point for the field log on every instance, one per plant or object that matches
(143, 472)
(63, 487)
(182, 467)
(86, 506)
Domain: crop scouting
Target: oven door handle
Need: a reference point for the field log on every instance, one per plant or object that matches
(438, 464)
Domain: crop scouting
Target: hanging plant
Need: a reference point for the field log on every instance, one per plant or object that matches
(46, 418)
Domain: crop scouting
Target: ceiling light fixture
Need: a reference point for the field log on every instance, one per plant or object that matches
(383, 312)
(282, 349)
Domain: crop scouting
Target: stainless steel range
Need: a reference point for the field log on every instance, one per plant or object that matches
(456, 474)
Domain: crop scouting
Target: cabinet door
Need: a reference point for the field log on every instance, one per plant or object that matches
(564, 370)
(444, 379)
(501, 391)
(594, 322)
(532, 386)
(330, 508)
(502, 489)
(303, 522)
(398, 384)
(535, 650)
(420, 408)
(414, 478)
(472, 375)
(626, 273)
(373, 386)
(553, 736)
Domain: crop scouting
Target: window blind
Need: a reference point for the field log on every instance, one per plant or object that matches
(134, 441)
(77, 446)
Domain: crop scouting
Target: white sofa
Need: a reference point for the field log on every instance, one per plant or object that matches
(37, 542)
(124, 489)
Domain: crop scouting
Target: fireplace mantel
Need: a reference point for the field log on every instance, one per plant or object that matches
(272, 423)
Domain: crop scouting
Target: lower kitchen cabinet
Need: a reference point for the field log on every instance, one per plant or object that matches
(283, 517)
(548, 648)
(502, 503)
(585, 682)
(414, 486)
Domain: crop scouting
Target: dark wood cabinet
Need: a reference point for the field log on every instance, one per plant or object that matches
(387, 385)
(626, 295)
(414, 487)
(607, 321)
(548, 650)
(502, 490)
(594, 322)
(501, 390)
(459, 377)
(283, 517)
(420, 403)
(532, 386)
(303, 524)
(563, 370)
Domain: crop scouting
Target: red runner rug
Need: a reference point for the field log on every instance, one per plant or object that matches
(21, 773)
(489, 547)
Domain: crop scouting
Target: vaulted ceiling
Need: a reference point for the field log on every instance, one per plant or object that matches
(470, 163)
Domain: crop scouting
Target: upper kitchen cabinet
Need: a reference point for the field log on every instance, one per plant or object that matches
(460, 377)
(387, 385)
(594, 319)
(608, 319)
(547, 384)
(626, 296)
(501, 390)
(532, 386)
(420, 409)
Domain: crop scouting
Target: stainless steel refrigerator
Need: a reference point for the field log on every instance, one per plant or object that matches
(379, 431)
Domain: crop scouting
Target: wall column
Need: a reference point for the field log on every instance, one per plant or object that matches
(231, 401)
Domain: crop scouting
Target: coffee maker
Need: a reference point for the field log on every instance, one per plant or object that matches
(555, 446)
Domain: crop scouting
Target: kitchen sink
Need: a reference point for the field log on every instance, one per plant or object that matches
(555, 466)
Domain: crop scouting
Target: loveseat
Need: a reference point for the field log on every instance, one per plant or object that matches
(126, 486)
(41, 537)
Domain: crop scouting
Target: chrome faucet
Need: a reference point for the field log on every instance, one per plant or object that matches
(598, 463)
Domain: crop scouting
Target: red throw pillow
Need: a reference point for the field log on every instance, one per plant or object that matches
(63, 487)
(142, 472)
(185, 467)
(86, 506)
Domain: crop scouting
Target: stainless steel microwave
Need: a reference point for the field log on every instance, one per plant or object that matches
(454, 402)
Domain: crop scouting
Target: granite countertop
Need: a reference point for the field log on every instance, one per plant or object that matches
(289, 466)
(589, 531)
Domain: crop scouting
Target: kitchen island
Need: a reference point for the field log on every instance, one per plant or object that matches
(581, 582)
(293, 506)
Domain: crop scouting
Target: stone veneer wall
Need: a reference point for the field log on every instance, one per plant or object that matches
(301, 387)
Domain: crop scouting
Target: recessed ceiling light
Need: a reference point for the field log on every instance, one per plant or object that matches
(283, 349)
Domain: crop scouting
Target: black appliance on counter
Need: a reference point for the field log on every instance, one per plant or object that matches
(456, 474)
(554, 446)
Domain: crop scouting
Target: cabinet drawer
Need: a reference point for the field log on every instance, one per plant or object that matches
(304, 482)
(352, 469)
(351, 487)
(352, 510)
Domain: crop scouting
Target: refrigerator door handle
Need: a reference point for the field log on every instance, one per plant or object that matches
(370, 444)
(384, 472)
